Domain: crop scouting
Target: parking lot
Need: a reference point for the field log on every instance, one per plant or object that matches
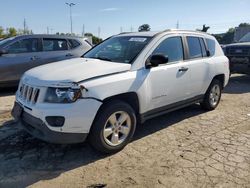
(185, 148)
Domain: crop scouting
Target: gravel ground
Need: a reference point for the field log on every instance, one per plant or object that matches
(185, 148)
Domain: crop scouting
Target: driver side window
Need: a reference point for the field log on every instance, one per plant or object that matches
(23, 46)
(172, 48)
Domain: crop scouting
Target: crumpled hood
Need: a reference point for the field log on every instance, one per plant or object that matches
(72, 70)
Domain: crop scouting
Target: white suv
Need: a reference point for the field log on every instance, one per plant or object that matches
(127, 79)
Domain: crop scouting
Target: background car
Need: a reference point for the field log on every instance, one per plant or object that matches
(21, 53)
(239, 57)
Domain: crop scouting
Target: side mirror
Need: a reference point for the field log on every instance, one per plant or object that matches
(155, 60)
(3, 51)
(208, 53)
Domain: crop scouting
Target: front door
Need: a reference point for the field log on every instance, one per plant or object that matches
(169, 83)
(21, 56)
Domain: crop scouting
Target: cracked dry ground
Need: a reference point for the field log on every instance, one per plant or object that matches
(185, 148)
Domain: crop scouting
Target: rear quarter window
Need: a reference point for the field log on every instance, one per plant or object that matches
(73, 43)
(211, 46)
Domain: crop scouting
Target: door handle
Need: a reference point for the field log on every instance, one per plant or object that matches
(69, 55)
(34, 58)
(183, 69)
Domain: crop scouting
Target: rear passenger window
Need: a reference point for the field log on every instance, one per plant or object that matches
(54, 44)
(211, 46)
(194, 47)
(171, 47)
(73, 43)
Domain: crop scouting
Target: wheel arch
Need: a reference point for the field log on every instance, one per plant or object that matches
(221, 78)
(130, 97)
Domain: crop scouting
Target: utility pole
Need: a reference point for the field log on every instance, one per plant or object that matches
(121, 29)
(70, 12)
(99, 31)
(24, 26)
(83, 30)
(131, 29)
(47, 30)
(177, 25)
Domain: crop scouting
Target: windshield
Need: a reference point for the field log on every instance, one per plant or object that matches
(6, 40)
(121, 49)
(246, 38)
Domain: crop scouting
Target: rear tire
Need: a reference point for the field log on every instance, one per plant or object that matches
(113, 128)
(212, 96)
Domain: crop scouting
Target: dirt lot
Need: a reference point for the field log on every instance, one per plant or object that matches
(186, 148)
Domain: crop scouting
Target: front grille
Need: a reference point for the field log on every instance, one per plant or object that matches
(28, 93)
(238, 51)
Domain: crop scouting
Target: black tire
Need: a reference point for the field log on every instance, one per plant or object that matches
(96, 136)
(207, 103)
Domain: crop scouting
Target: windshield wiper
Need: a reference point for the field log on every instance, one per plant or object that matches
(101, 58)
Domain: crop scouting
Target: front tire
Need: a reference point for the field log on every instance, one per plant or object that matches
(113, 128)
(212, 96)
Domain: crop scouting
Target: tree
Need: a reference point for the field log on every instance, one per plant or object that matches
(2, 35)
(144, 27)
(244, 25)
(226, 38)
(11, 32)
(95, 39)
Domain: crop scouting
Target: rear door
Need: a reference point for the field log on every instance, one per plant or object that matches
(54, 49)
(22, 56)
(199, 65)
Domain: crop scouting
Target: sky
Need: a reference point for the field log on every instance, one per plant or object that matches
(114, 16)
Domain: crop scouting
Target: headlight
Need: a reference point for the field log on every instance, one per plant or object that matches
(63, 95)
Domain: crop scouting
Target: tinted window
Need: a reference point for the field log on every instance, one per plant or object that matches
(24, 46)
(171, 47)
(73, 43)
(4, 41)
(211, 46)
(122, 49)
(194, 47)
(54, 44)
(203, 48)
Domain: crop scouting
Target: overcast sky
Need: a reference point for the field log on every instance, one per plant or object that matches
(112, 15)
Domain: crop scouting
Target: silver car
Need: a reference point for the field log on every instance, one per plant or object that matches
(20, 53)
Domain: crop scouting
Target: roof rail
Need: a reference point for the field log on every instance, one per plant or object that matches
(185, 30)
(124, 33)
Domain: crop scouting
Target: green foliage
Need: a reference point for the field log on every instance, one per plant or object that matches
(2, 32)
(228, 37)
(11, 32)
(88, 34)
(244, 25)
(144, 27)
(95, 39)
